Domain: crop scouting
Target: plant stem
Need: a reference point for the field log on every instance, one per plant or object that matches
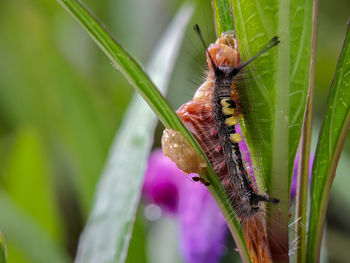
(301, 199)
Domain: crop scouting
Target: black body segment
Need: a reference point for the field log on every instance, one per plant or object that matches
(223, 107)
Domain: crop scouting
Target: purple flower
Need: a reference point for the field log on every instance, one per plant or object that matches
(202, 226)
(293, 188)
(162, 182)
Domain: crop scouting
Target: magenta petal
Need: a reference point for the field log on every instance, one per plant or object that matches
(293, 188)
(162, 182)
(202, 225)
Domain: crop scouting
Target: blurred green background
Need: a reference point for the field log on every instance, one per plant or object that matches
(61, 102)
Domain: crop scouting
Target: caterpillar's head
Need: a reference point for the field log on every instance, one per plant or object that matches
(222, 55)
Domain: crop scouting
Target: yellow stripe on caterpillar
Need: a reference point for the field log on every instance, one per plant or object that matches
(235, 137)
(225, 103)
(231, 121)
(228, 111)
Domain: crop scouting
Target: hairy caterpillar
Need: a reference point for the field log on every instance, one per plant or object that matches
(215, 108)
(212, 116)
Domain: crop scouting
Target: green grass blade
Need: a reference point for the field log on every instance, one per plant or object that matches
(276, 95)
(139, 80)
(301, 198)
(223, 16)
(26, 162)
(27, 234)
(107, 234)
(2, 249)
(335, 127)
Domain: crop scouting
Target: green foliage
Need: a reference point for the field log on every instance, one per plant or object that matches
(335, 127)
(25, 166)
(276, 94)
(2, 250)
(25, 232)
(53, 95)
(223, 16)
(61, 102)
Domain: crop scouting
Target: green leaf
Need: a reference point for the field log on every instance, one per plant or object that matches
(223, 16)
(140, 81)
(2, 249)
(107, 233)
(138, 243)
(27, 166)
(60, 100)
(27, 234)
(276, 91)
(335, 126)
